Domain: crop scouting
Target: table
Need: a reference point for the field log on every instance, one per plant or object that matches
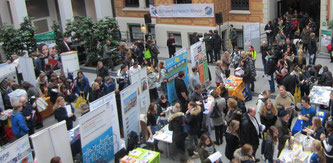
(235, 86)
(142, 154)
(164, 135)
(49, 110)
(298, 124)
(300, 152)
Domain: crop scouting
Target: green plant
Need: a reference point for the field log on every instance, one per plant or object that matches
(59, 37)
(9, 36)
(330, 24)
(27, 35)
(92, 35)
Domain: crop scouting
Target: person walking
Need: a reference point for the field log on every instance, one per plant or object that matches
(312, 48)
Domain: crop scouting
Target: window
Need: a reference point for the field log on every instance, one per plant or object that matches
(135, 32)
(182, 1)
(239, 4)
(132, 3)
(37, 9)
(240, 41)
(178, 38)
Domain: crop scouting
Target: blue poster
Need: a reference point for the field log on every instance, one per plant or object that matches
(99, 149)
(173, 67)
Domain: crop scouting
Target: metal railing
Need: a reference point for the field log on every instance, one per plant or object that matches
(239, 4)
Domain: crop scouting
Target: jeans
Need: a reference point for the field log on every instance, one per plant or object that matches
(248, 91)
(264, 63)
(252, 86)
(219, 134)
(217, 54)
(210, 55)
(271, 83)
(312, 61)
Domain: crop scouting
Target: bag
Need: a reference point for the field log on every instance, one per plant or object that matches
(147, 54)
(215, 113)
(329, 47)
(297, 95)
(41, 104)
(79, 100)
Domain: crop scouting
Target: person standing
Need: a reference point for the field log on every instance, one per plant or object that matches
(101, 70)
(264, 53)
(247, 79)
(250, 129)
(218, 120)
(181, 90)
(312, 48)
(307, 113)
(64, 46)
(327, 141)
(235, 57)
(270, 70)
(61, 114)
(233, 36)
(28, 113)
(192, 117)
(269, 33)
(194, 38)
(326, 78)
(209, 46)
(107, 54)
(217, 45)
(194, 79)
(305, 35)
(226, 61)
(232, 139)
(283, 128)
(219, 73)
(154, 53)
(19, 125)
(271, 145)
(171, 45)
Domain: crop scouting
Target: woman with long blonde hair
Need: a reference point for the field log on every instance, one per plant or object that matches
(232, 139)
(316, 130)
(61, 114)
(318, 155)
(268, 114)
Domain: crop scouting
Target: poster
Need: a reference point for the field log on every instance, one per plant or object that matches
(17, 152)
(47, 38)
(320, 95)
(173, 67)
(70, 62)
(97, 136)
(326, 37)
(144, 98)
(130, 109)
(199, 59)
(26, 66)
(251, 33)
(109, 101)
(183, 10)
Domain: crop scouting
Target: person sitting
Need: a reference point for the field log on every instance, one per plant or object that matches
(17, 119)
(307, 113)
(316, 130)
(244, 154)
(152, 125)
(101, 70)
(206, 148)
(318, 154)
(95, 92)
(326, 78)
(162, 110)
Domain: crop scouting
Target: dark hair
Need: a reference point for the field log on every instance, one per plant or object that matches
(181, 74)
(163, 97)
(197, 87)
(214, 94)
(306, 99)
(55, 159)
(151, 108)
(194, 69)
(329, 126)
(202, 143)
(15, 86)
(193, 104)
(26, 85)
(271, 133)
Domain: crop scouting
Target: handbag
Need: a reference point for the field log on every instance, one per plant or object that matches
(79, 100)
(297, 95)
(147, 53)
(41, 104)
(215, 113)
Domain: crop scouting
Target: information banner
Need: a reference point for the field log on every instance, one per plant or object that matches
(182, 10)
(130, 109)
(251, 33)
(326, 37)
(144, 98)
(47, 38)
(173, 67)
(97, 136)
(199, 59)
(17, 152)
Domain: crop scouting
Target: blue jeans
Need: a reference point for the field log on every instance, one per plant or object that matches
(312, 61)
(264, 63)
(248, 90)
(272, 83)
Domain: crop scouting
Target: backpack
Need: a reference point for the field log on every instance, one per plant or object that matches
(215, 113)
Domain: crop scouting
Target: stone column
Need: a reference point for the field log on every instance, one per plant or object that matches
(103, 9)
(66, 12)
(19, 11)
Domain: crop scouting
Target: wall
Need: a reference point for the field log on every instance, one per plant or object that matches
(121, 11)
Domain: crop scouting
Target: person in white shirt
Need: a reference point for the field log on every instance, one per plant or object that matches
(135, 68)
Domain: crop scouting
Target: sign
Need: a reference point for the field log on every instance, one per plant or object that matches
(18, 151)
(173, 67)
(130, 109)
(70, 62)
(251, 33)
(199, 59)
(320, 95)
(144, 98)
(26, 66)
(97, 135)
(326, 37)
(182, 10)
(109, 101)
(47, 38)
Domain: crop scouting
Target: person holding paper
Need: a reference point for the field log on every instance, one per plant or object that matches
(152, 125)
(61, 112)
(206, 148)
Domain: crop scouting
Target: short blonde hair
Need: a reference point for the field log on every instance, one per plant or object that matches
(219, 63)
(176, 108)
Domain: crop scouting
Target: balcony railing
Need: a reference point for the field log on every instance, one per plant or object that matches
(239, 4)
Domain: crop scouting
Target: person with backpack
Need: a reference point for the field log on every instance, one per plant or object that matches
(217, 117)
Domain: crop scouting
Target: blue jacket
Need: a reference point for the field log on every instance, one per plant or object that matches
(82, 86)
(109, 87)
(19, 126)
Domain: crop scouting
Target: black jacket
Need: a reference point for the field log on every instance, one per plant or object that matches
(176, 124)
(217, 42)
(60, 114)
(326, 79)
(103, 72)
(172, 48)
(232, 144)
(247, 76)
(95, 94)
(269, 149)
(248, 134)
(193, 120)
(318, 132)
(27, 111)
(271, 66)
(268, 122)
(312, 46)
(289, 81)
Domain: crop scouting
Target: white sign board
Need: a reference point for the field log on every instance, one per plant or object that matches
(26, 66)
(18, 151)
(96, 135)
(70, 62)
(130, 109)
(183, 10)
(144, 98)
(55, 141)
(251, 34)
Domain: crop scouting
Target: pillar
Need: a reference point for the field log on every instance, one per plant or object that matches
(66, 12)
(4, 12)
(142, 3)
(19, 11)
(90, 9)
(103, 9)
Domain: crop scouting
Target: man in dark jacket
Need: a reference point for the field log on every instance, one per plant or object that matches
(194, 38)
(269, 33)
(312, 48)
(102, 71)
(233, 36)
(171, 45)
(217, 45)
(181, 90)
(289, 81)
(250, 129)
(247, 79)
(264, 53)
(271, 68)
(326, 78)
(208, 38)
(282, 124)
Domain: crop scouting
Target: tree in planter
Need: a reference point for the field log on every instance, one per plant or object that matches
(59, 37)
(9, 36)
(28, 39)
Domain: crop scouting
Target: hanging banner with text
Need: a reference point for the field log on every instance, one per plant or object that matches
(18, 151)
(251, 33)
(173, 67)
(182, 10)
(199, 60)
(97, 135)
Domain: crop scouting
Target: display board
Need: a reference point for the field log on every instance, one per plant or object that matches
(47, 38)
(199, 59)
(320, 95)
(70, 62)
(325, 39)
(96, 135)
(144, 98)
(26, 66)
(17, 152)
(55, 141)
(251, 33)
(109, 101)
(130, 109)
(173, 67)
(8, 71)
(183, 10)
